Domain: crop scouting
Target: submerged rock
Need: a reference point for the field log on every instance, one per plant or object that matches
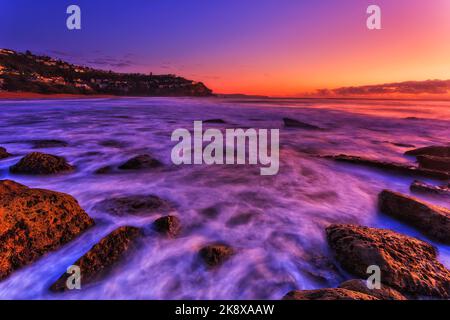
(240, 219)
(41, 163)
(96, 263)
(292, 123)
(34, 222)
(51, 143)
(3, 153)
(419, 186)
(327, 294)
(168, 225)
(216, 254)
(407, 264)
(104, 170)
(219, 121)
(139, 205)
(143, 161)
(391, 166)
(400, 144)
(438, 151)
(384, 293)
(210, 212)
(432, 220)
(113, 144)
(434, 163)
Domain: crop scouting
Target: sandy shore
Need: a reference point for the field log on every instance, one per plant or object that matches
(32, 95)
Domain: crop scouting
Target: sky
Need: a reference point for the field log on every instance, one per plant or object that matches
(262, 47)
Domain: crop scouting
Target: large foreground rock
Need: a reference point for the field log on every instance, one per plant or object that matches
(407, 264)
(391, 166)
(438, 151)
(141, 162)
(96, 263)
(384, 293)
(327, 294)
(41, 163)
(216, 254)
(434, 163)
(34, 222)
(432, 220)
(423, 187)
(139, 205)
(3, 153)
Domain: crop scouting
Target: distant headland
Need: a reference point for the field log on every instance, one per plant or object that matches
(30, 73)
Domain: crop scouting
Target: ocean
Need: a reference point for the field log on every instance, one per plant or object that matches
(275, 223)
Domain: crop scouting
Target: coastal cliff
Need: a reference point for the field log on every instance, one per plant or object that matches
(26, 72)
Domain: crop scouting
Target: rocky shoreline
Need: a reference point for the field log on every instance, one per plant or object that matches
(34, 222)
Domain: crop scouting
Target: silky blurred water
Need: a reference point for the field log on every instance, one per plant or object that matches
(276, 223)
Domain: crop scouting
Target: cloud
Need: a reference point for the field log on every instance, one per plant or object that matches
(433, 87)
(111, 62)
(60, 53)
(95, 59)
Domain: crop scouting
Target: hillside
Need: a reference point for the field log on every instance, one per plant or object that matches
(26, 72)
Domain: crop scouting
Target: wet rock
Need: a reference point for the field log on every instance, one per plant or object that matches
(3, 153)
(11, 188)
(322, 269)
(219, 121)
(420, 186)
(139, 205)
(434, 163)
(384, 293)
(432, 220)
(34, 222)
(168, 225)
(98, 262)
(407, 264)
(327, 294)
(437, 151)
(391, 166)
(37, 144)
(292, 123)
(143, 161)
(41, 163)
(216, 254)
(104, 170)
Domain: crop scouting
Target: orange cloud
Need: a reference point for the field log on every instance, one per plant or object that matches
(409, 88)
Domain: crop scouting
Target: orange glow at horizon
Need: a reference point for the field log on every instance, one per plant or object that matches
(414, 44)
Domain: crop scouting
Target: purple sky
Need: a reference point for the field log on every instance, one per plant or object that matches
(253, 46)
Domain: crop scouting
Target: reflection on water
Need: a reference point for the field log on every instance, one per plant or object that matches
(275, 223)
